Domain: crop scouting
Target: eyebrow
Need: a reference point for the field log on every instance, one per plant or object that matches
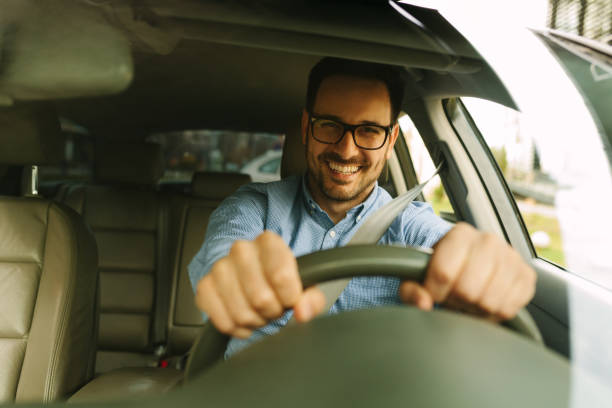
(338, 119)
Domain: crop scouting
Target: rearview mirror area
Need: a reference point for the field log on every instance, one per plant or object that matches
(59, 49)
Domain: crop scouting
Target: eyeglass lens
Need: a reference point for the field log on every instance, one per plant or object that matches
(366, 136)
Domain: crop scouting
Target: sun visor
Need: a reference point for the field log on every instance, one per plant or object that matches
(59, 49)
(30, 135)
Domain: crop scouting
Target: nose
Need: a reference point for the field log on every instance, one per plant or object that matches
(346, 147)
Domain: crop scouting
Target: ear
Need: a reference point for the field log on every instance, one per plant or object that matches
(304, 126)
(392, 139)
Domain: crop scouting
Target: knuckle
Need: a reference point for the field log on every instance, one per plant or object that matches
(490, 241)
(239, 248)
(203, 286)
(245, 319)
(488, 304)
(441, 276)
(264, 301)
(466, 295)
(281, 278)
(219, 268)
(266, 237)
(224, 326)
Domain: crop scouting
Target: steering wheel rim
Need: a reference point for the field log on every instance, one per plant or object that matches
(406, 263)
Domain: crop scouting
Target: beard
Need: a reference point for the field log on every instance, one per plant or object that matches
(332, 188)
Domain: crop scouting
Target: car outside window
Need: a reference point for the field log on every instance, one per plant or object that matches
(424, 167)
(189, 151)
(270, 167)
(512, 144)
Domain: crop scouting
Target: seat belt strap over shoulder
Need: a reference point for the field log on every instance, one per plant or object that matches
(372, 229)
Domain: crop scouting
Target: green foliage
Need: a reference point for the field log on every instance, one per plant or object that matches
(501, 158)
(550, 225)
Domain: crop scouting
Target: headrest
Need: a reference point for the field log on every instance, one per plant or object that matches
(217, 186)
(30, 134)
(129, 163)
(293, 161)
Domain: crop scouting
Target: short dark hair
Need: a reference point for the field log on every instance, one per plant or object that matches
(329, 66)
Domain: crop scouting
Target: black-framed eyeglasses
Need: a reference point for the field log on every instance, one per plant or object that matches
(366, 136)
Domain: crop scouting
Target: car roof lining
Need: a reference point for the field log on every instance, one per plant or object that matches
(220, 56)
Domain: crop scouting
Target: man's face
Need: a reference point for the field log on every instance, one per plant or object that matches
(343, 172)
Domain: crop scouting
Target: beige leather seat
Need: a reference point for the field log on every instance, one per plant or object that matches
(190, 215)
(129, 220)
(48, 275)
(207, 190)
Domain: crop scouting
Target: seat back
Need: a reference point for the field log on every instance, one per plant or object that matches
(208, 190)
(128, 218)
(48, 275)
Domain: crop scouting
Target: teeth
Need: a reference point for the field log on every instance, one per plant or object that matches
(343, 169)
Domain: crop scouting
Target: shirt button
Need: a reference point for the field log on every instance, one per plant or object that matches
(332, 233)
(359, 218)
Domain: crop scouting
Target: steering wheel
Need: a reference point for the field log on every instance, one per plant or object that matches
(406, 263)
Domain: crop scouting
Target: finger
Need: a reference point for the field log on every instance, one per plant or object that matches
(499, 286)
(254, 285)
(479, 267)
(521, 293)
(280, 268)
(229, 289)
(310, 304)
(414, 294)
(456, 303)
(242, 333)
(450, 254)
(208, 301)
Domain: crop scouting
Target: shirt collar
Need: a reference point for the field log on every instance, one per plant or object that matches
(360, 209)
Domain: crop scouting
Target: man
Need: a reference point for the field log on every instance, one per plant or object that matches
(245, 275)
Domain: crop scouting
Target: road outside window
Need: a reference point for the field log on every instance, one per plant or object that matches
(534, 189)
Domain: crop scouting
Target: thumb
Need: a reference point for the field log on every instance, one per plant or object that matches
(310, 304)
(416, 295)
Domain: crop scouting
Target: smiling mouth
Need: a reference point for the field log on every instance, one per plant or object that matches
(343, 168)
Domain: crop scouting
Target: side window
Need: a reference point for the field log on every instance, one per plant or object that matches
(510, 140)
(424, 167)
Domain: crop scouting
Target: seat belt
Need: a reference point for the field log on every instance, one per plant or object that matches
(370, 232)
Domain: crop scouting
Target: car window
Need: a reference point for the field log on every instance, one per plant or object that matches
(76, 165)
(271, 166)
(512, 144)
(424, 167)
(186, 152)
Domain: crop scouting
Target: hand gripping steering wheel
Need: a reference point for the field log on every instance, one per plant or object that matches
(405, 263)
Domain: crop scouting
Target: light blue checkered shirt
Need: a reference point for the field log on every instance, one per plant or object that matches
(287, 208)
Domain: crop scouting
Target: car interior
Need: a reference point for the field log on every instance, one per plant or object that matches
(95, 299)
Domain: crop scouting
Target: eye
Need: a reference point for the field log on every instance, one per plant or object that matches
(371, 130)
(327, 124)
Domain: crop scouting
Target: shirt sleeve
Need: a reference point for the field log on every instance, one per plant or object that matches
(421, 226)
(240, 216)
